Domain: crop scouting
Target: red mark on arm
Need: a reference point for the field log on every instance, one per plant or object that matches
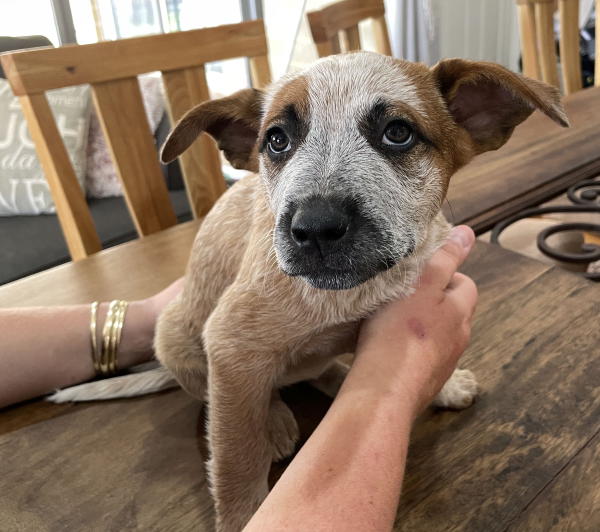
(416, 327)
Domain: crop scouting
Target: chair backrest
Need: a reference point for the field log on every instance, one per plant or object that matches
(341, 19)
(597, 63)
(536, 25)
(111, 68)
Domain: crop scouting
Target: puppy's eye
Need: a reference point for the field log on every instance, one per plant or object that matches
(397, 134)
(278, 141)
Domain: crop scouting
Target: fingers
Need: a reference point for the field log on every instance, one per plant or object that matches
(446, 260)
(463, 291)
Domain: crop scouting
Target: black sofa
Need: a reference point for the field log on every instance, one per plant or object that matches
(30, 244)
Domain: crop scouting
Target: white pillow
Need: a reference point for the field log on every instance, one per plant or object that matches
(23, 185)
(101, 180)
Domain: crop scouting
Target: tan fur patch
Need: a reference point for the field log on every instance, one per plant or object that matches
(242, 328)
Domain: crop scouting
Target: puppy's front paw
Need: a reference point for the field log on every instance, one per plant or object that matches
(283, 430)
(459, 391)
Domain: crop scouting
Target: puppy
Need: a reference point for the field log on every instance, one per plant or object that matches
(351, 158)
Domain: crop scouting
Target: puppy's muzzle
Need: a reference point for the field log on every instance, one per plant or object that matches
(320, 225)
(331, 243)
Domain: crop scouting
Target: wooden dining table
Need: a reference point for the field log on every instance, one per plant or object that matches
(524, 457)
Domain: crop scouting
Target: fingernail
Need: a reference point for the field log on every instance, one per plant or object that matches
(462, 235)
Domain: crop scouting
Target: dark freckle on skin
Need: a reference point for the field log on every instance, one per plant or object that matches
(416, 327)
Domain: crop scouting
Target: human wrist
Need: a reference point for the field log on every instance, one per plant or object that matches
(372, 376)
(137, 338)
(402, 368)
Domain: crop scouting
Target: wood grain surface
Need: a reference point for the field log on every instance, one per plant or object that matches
(539, 161)
(201, 164)
(328, 21)
(526, 14)
(71, 207)
(39, 70)
(571, 501)
(570, 56)
(123, 118)
(544, 27)
(506, 463)
(341, 19)
(133, 270)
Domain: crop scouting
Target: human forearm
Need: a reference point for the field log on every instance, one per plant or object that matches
(354, 460)
(42, 349)
(349, 473)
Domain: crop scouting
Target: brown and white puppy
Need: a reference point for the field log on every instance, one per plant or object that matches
(353, 157)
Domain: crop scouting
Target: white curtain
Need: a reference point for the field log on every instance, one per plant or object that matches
(411, 25)
(429, 30)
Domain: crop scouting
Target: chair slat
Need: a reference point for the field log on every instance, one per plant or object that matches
(201, 163)
(527, 30)
(341, 20)
(71, 207)
(324, 49)
(123, 118)
(382, 39)
(348, 13)
(352, 38)
(335, 44)
(36, 71)
(544, 23)
(260, 71)
(570, 58)
(597, 66)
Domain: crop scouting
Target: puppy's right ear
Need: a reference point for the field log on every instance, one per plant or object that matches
(234, 122)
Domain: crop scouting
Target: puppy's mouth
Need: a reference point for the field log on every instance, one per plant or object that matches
(332, 244)
(325, 278)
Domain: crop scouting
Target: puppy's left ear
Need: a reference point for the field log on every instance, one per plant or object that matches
(489, 101)
(234, 122)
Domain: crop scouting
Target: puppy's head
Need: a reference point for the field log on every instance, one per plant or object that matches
(355, 153)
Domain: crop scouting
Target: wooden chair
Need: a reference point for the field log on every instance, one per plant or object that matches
(342, 18)
(112, 67)
(536, 25)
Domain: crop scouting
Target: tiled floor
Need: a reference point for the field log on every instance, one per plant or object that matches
(521, 236)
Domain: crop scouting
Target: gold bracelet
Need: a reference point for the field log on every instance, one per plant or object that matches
(111, 336)
(105, 353)
(116, 336)
(94, 342)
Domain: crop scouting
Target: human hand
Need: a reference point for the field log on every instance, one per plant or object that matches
(412, 346)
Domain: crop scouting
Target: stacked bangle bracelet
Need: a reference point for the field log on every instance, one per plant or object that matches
(105, 358)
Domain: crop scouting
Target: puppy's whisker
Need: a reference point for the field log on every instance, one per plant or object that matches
(271, 260)
(262, 240)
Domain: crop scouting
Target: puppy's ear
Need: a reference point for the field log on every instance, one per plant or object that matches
(489, 101)
(234, 122)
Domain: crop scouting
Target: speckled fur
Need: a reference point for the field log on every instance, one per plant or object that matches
(242, 328)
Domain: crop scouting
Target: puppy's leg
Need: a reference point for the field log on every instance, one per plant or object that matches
(282, 428)
(459, 391)
(241, 380)
(181, 353)
(239, 401)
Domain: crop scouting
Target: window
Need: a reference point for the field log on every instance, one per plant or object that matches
(120, 19)
(28, 17)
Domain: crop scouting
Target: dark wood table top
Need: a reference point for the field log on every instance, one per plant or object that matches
(524, 457)
(540, 161)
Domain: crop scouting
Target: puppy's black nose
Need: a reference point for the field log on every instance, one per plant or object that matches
(320, 224)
